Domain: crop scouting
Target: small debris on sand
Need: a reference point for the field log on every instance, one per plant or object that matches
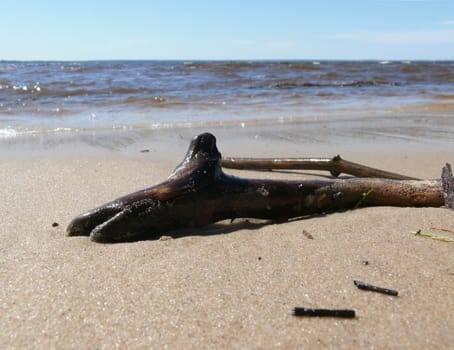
(307, 234)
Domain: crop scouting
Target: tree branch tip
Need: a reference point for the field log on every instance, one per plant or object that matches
(447, 180)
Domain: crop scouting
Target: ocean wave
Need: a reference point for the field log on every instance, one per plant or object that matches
(304, 66)
(337, 84)
(438, 107)
(444, 96)
(148, 101)
(7, 133)
(118, 127)
(65, 90)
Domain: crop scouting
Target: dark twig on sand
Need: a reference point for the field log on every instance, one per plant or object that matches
(304, 311)
(370, 287)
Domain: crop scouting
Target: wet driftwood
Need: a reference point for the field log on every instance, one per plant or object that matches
(199, 193)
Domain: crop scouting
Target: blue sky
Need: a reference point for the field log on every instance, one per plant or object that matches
(221, 29)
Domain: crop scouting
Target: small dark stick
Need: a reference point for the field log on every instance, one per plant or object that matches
(304, 311)
(366, 286)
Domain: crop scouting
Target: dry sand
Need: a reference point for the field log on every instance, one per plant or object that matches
(227, 286)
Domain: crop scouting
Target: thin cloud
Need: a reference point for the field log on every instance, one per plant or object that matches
(243, 42)
(447, 23)
(281, 45)
(398, 38)
(133, 42)
(284, 44)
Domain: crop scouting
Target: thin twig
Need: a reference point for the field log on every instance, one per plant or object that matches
(370, 287)
(304, 311)
(442, 229)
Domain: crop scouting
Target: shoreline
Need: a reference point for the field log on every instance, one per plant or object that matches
(383, 134)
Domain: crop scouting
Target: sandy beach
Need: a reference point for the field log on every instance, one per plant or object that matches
(227, 285)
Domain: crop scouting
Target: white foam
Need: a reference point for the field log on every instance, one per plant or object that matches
(62, 130)
(7, 133)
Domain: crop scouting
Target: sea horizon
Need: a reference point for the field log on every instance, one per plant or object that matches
(82, 60)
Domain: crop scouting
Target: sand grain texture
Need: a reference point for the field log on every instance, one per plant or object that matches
(227, 286)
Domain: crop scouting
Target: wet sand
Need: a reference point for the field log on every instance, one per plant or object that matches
(225, 286)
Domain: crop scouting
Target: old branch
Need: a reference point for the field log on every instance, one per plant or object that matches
(335, 166)
(199, 193)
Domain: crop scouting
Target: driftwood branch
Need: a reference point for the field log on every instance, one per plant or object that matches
(199, 193)
(335, 166)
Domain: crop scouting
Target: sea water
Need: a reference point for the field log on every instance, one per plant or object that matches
(68, 97)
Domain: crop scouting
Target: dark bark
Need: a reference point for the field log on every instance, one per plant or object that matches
(448, 186)
(199, 193)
